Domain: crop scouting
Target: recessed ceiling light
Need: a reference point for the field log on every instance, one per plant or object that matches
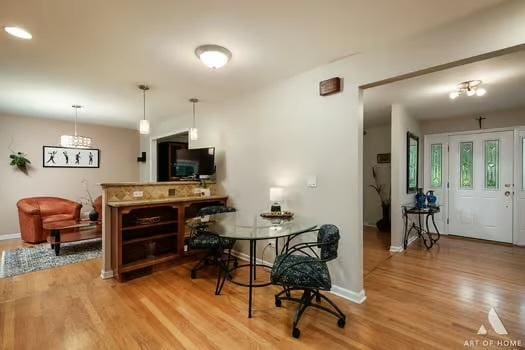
(18, 32)
(214, 56)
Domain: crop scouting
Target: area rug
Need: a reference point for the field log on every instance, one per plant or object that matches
(42, 257)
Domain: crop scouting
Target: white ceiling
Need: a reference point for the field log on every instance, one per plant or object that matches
(426, 97)
(95, 52)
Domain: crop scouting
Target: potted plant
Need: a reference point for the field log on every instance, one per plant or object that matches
(383, 224)
(19, 160)
(93, 214)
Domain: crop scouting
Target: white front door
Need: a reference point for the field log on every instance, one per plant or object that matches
(481, 185)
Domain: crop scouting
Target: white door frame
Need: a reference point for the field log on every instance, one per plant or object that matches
(519, 134)
(153, 151)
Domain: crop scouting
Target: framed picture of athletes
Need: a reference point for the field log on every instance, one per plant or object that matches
(66, 157)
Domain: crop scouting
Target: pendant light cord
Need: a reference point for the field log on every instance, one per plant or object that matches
(193, 114)
(144, 93)
(76, 116)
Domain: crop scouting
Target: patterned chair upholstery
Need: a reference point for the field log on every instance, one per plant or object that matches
(302, 268)
(203, 239)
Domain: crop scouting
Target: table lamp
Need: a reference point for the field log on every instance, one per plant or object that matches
(276, 196)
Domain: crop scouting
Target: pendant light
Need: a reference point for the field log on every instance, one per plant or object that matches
(144, 123)
(194, 133)
(75, 140)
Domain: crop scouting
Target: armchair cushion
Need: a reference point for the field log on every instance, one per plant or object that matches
(300, 271)
(208, 240)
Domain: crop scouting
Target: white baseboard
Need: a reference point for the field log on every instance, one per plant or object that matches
(106, 274)
(358, 298)
(10, 236)
(399, 249)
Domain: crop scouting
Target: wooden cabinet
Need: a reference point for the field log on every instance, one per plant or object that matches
(152, 233)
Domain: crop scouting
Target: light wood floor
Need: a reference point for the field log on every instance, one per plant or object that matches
(416, 300)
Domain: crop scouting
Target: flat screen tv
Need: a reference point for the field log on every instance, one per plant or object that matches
(194, 162)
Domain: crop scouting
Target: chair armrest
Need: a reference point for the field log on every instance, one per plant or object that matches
(28, 207)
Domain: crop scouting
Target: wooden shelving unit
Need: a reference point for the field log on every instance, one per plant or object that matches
(137, 245)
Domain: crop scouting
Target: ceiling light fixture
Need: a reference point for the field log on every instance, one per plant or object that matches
(469, 88)
(214, 56)
(194, 133)
(18, 32)
(75, 140)
(144, 123)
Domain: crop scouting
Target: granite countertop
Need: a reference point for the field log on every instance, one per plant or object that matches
(166, 183)
(117, 204)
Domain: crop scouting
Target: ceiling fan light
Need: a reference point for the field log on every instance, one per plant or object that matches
(18, 32)
(471, 92)
(214, 56)
(481, 92)
(453, 95)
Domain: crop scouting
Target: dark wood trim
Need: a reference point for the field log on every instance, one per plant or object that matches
(412, 136)
(445, 66)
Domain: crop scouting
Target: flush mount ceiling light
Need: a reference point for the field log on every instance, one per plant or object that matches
(18, 32)
(144, 123)
(469, 88)
(75, 140)
(214, 56)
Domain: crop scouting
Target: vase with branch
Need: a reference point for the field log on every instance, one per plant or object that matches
(93, 214)
(384, 193)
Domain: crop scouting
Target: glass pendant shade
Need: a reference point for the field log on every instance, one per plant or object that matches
(194, 134)
(144, 127)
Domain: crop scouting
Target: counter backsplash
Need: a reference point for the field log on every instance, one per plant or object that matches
(122, 193)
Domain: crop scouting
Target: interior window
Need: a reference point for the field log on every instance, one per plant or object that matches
(436, 158)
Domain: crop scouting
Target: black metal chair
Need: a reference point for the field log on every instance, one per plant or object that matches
(202, 238)
(300, 267)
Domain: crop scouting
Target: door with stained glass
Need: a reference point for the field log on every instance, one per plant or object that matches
(481, 185)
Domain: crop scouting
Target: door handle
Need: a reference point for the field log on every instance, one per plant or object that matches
(507, 193)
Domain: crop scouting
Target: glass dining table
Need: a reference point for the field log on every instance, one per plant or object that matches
(242, 226)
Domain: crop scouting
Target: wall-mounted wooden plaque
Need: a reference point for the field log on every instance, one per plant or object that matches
(330, 86)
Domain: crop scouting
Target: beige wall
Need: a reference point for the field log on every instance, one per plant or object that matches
(376, 140)
(118, 162)
(496, 119)
(280, 134)
(402, 122)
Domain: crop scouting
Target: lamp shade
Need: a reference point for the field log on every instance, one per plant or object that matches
(144, 126)
(276, 194)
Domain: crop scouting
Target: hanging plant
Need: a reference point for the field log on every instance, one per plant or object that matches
(19, 160)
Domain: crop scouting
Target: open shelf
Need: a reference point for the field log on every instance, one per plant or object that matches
(149, 238)
(149, 261)
(157, 224)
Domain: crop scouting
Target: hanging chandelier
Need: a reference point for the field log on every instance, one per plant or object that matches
(469, 88)
(75, 140)
(194, 133)
(144, 123)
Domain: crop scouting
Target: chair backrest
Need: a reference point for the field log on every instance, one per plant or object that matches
(328, 240)
(215, 209)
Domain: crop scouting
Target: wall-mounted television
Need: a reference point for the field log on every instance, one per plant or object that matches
(194, 162)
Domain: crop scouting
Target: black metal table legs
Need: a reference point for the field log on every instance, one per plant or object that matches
(55, 243)
(422, 231)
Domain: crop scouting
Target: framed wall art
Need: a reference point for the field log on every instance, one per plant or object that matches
(67, 157)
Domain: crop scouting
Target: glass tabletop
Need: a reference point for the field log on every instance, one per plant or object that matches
(69, 224)
(248, 226)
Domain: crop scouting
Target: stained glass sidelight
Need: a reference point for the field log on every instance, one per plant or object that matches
(436, 157)
(466, 165)
(491, 164)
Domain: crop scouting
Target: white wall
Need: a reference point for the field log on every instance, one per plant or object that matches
(118, 162)
(495, 119)
(376, 140)
(402, 122)
(281, 133)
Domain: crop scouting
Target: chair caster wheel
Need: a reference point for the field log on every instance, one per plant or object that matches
(341, 322)
(193, 275)
(296, 333)
(318, 298)
(278, 302)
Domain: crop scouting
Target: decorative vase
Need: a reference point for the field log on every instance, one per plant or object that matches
(93, 215)
(431, 199)
(383, 225)
(421, 199)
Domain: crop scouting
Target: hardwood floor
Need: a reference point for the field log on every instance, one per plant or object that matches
(416, 300)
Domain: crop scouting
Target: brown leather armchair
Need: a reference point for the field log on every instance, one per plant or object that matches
(33, 212)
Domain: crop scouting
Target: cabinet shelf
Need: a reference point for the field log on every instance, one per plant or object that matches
(157, 224)
(148, 238)
(138, 264)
